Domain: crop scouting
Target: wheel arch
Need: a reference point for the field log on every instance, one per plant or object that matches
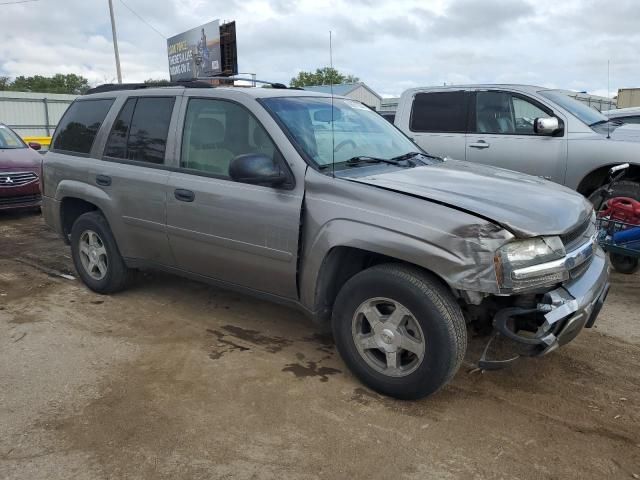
(77, 198)
(597, 177)
(339, 265)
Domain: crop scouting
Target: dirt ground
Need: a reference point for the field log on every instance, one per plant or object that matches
(178, 380)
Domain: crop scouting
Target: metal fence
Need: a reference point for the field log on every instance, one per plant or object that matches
(33, 114)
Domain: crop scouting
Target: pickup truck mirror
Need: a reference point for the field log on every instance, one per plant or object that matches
(546, 125)
(256, 168)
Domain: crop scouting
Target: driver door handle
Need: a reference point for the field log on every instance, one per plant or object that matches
(479, 144)
(184, 195)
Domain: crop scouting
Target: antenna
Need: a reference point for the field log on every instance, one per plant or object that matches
(333, 137)
(608, 95)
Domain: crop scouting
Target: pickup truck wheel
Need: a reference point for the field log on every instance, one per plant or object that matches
(399, 330)
(96, 256)
(621, 189)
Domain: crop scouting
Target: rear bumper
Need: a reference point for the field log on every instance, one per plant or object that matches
(566, 310)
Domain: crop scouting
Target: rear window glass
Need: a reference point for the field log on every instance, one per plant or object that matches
(78, 128)
(439, 112)
(140, 131)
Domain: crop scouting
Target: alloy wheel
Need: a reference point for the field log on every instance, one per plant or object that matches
(388, 337)
(93, 255)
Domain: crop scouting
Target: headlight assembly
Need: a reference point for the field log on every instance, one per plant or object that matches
(531, 263)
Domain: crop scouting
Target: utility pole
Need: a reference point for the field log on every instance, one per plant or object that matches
(115, 41)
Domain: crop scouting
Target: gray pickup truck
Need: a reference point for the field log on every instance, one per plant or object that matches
(321, 204)
(529, 129)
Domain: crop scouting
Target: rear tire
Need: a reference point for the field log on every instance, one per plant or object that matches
(96, 256)
(621, 189)
(624, 264)
(388, 307)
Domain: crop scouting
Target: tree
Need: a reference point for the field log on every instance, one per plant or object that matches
(5, 82)
(161, 82)
(59, 83)
(322, 76)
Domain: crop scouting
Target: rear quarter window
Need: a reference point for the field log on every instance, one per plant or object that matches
(80, 124)
(141, 129)
(439, 112)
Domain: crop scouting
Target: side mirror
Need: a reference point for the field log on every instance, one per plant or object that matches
(257, 169)
(35, 145)
(546, 125)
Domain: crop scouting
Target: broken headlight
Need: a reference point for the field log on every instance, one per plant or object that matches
(531, 263)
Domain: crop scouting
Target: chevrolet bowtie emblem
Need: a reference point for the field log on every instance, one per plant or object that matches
(8, 180)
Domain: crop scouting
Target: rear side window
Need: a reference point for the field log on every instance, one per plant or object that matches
(140, 131)
(78, 128)
(439, 112)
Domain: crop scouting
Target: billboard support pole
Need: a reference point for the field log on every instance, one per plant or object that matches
(115, 41)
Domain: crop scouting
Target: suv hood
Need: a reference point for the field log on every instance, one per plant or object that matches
(528, 206)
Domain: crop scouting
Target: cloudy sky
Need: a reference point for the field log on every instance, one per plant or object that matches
(391, 45)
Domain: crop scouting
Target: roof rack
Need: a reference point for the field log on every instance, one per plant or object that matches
(200, 82)
(112, 87)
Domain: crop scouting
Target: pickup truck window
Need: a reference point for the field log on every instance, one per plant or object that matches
(80, 124)
(351, 130)
(216, 131)
(505, 113)
(140, 131)
(439, 112)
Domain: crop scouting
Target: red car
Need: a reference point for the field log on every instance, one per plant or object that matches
(20, 170)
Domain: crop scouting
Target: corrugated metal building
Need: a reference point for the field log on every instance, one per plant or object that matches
(357, 91)
(389, 104)
(628, 97)
(33, 114)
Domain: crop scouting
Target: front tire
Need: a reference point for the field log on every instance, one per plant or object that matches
(96, 256)
(399, 330)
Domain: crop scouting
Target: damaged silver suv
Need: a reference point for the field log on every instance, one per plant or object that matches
(322, 204)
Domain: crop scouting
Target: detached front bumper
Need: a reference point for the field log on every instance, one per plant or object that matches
(562, 313)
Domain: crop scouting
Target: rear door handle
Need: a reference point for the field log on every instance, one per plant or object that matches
(479, 144)
(184, 195)
(103, 180)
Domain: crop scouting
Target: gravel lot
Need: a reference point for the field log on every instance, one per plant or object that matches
(178, 380)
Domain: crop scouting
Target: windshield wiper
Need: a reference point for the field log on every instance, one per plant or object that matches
(400, 160)
(366, 159)
(406, 156)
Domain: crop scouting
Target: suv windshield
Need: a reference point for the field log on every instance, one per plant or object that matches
(357, 132)
(9, 139)
(588, 115)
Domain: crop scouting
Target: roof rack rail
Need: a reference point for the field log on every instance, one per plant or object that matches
(112, 87)
(247, 79)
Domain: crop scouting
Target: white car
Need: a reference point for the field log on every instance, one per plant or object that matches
(626, 115)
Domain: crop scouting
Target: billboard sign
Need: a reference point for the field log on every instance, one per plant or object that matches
(195, 53)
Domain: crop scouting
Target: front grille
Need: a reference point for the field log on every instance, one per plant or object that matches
(575, 237)
(17, 179)
(19, 199)
(580, 269)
